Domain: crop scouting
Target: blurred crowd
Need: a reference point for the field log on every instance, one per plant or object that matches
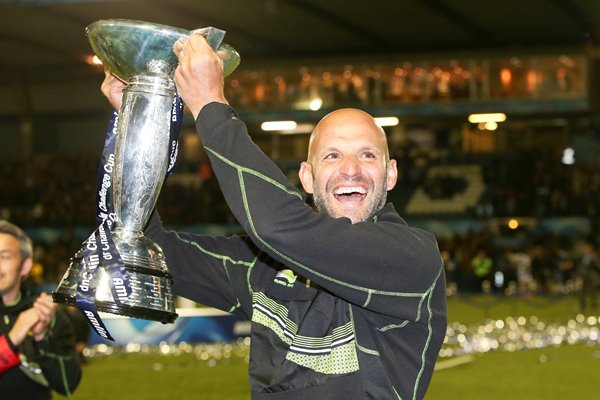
(525, 183)
(58, 192)
(407, 82)
(532, 264)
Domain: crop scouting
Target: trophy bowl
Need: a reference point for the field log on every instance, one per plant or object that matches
(128, 48)
(141, 54)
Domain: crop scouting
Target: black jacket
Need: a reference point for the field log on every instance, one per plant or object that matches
(51, 364)
(338, 310)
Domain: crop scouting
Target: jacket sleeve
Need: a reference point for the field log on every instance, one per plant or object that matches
(210, 270)
(8, 355)
(57, 356)
(358, 262)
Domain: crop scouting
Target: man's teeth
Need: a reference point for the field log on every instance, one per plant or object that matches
(348, 190)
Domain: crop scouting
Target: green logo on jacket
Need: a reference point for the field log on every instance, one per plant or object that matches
(286, 277)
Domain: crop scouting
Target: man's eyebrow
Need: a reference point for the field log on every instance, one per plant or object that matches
(328, 149)
(374, 149)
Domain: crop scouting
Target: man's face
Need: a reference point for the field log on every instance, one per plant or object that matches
(11, 265)
(348, 171)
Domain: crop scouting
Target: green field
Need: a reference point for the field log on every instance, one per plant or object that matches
(563, 372)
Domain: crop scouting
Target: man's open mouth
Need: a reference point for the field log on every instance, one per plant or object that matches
(350, 193)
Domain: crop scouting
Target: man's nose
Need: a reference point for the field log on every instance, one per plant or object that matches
(350, 167)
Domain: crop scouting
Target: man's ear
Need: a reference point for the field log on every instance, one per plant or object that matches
(392, 175)
(306, 177)
(26, 267)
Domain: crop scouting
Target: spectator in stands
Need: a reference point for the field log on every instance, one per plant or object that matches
(482, 269)
(588, 271)
(347, 302)
(541, 268)
(37, 349)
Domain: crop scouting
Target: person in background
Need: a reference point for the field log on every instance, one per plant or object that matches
(588, 271)
(346, 301)
(37, 346)
(482, 269)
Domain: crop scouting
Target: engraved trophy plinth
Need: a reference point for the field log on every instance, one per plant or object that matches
(141, 54)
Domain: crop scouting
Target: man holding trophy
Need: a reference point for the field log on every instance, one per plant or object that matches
(346, 301)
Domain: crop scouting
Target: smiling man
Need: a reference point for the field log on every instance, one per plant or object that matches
(349, 170)
(37, 346)
(346, 301)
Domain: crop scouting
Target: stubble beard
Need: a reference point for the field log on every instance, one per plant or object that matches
(324, 204)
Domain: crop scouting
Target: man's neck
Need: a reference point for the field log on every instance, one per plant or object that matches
(11, 298)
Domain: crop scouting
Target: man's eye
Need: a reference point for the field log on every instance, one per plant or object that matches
(331, 156)
(368, 154)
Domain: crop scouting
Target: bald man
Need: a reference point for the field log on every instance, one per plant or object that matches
(349, 170)
(346, 301)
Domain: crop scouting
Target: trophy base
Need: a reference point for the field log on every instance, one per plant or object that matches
(151, 294)
(121, 309)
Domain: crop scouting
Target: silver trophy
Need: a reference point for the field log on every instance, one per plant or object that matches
(139, 53)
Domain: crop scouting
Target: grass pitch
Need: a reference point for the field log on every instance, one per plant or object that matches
(565, 372)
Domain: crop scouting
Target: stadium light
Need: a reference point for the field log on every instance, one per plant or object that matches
(93, 60)
(300, 128)
(387, 121)
(491, 125)
(489, 117)
(278, 125)
(315, 104)
(568, 156)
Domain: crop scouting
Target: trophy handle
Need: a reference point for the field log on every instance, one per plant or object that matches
(214, 37)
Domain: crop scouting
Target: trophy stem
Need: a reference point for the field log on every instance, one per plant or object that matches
(126, 234)
(142, 148)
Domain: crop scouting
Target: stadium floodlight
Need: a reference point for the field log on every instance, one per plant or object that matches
(299, 129)
(387, 121)
(315, 104)
(489, 117)
(278, 125)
